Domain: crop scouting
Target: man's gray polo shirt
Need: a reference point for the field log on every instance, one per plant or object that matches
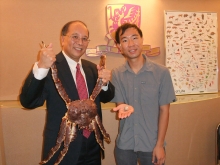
(146, 91)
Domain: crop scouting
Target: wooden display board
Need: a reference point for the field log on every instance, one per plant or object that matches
(191, 51)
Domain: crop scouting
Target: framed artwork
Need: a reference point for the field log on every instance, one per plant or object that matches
(191, 51)
(116, 15)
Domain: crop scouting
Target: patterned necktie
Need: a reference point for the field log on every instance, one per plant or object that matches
(82, 91)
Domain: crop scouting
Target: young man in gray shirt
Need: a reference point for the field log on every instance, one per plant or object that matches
(144, 89)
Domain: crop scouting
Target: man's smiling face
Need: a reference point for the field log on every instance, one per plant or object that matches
(75, 42)
(131, 43)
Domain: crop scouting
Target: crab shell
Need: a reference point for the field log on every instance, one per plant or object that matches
(82, 112)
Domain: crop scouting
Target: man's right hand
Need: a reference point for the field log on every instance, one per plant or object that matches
(47, 57)
(124, 110)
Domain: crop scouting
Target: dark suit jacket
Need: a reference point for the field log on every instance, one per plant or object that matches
(35, 92)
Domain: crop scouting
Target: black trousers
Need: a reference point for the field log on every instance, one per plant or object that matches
(90, 151)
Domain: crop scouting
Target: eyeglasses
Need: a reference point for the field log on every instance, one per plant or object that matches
(76, 38)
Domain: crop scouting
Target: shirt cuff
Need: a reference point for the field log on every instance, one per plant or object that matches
(105, 88)
(39, 73)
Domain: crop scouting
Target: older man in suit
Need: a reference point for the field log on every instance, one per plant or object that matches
(39, 87)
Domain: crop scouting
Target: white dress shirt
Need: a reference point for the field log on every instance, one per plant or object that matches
(40, 73)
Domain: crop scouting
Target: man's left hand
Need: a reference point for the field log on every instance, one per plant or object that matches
(104, 74)
(158, 157)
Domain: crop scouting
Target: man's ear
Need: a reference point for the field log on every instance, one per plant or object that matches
(119, 47)
(61, 40)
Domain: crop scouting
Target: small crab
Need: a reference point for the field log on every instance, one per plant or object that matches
(81, 114)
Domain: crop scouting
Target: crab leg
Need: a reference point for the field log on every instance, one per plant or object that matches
(97, 134)
(99, 83)
(60, 139)
(59, 85)
(102, 129)
(57, 82)
(66, 143)
(73, 132)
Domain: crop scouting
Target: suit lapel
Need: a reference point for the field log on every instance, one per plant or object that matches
(90, 78)
(66, 77)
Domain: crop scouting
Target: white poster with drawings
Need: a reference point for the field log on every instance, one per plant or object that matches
(191, 51)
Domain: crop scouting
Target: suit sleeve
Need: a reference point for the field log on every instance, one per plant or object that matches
(106, 96)
(32, 94)
(91, 72)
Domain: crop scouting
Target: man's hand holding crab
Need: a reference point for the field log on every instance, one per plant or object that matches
(104, 73)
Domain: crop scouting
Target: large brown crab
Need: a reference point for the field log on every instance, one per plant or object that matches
(81, 113)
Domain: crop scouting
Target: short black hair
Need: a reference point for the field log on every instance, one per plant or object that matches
(123, 28)
(65, 28)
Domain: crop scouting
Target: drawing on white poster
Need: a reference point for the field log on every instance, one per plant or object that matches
(191, 51)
